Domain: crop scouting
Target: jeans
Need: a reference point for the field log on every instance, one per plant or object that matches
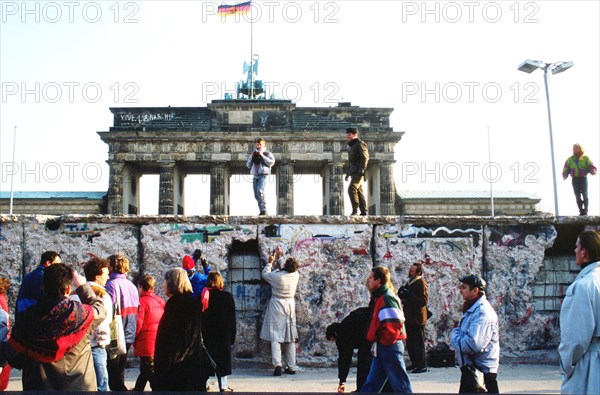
(258, 184)
(99, 357)
(580, 188)
(388, 365)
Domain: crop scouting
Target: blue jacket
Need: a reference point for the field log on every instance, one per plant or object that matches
(476, 338)
(32, 289)
(130, 302)
(198, 280)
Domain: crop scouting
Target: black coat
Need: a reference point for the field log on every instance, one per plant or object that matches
(219, 329)
(178, 356)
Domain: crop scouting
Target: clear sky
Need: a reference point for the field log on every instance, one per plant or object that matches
(449, 70)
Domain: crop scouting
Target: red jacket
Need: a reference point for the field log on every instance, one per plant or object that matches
(149, 315)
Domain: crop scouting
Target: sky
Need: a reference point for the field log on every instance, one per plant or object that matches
(449, 70)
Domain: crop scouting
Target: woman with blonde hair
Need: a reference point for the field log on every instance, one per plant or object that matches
(218, 326)
(178, 356)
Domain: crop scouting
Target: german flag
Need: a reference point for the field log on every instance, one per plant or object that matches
(240, 8)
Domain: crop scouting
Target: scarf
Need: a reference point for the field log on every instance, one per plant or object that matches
(469, 303)
(205, 297)
(50, 329)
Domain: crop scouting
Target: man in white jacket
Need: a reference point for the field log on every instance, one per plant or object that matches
(579, 347)
(279, 326)
(476, 339)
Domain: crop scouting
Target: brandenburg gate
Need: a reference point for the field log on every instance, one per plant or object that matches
(217, 139)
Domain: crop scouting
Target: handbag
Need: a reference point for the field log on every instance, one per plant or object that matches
(470, 380)
(117, 346)
(208, 363)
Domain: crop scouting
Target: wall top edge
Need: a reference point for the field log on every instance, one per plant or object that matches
(455, 220)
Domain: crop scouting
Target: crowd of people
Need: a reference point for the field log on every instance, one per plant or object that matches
(64, 327)
(65, 330)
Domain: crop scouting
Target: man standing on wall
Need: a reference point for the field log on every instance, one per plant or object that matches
(578, 166)
(358, 157)
(579, 347)
(386, 332)
(260, 162)
(476, 338)
(414, 296)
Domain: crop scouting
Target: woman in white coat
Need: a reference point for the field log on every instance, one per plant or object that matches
(579, 347)
(279, 326)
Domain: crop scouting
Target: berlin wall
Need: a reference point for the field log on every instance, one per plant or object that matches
(525, 282)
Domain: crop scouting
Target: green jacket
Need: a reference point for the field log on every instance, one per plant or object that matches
(578, 167)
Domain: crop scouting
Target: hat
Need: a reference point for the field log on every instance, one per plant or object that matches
(352, 130)
(188, 263)
(474, 281)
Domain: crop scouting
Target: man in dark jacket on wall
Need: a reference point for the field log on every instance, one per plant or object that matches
(358, 157)
(414, 296)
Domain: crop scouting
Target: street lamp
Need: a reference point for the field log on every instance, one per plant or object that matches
(529, 66)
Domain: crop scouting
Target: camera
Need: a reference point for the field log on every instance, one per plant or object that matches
(256, 157)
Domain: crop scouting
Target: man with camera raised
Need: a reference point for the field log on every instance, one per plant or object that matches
(260, 162)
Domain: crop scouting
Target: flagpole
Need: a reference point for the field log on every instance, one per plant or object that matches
(251, 54)
(12, 176)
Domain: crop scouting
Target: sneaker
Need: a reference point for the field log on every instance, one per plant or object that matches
(419, 370)
(289, 371)
(226, 389)
(263, 213)
(277, 371)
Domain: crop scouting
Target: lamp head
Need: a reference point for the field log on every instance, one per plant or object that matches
(529, 66)
(561, 66)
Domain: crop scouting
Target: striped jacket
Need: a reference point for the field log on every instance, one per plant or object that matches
(387, 322)
(578, 167)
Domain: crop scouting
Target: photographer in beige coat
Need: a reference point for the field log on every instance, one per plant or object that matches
(279, 326)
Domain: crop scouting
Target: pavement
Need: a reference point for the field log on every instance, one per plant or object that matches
(512, 378)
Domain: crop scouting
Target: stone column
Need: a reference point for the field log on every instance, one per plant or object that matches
(387, 194)
(166, 201)
(219, 189)
(115, 187)
(285, 188)
(333, 189)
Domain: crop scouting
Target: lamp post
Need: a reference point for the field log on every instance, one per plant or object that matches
(529, 66)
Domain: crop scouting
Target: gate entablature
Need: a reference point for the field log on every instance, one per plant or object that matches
(216, 140)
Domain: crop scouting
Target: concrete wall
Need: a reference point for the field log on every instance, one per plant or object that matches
(525, 285)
